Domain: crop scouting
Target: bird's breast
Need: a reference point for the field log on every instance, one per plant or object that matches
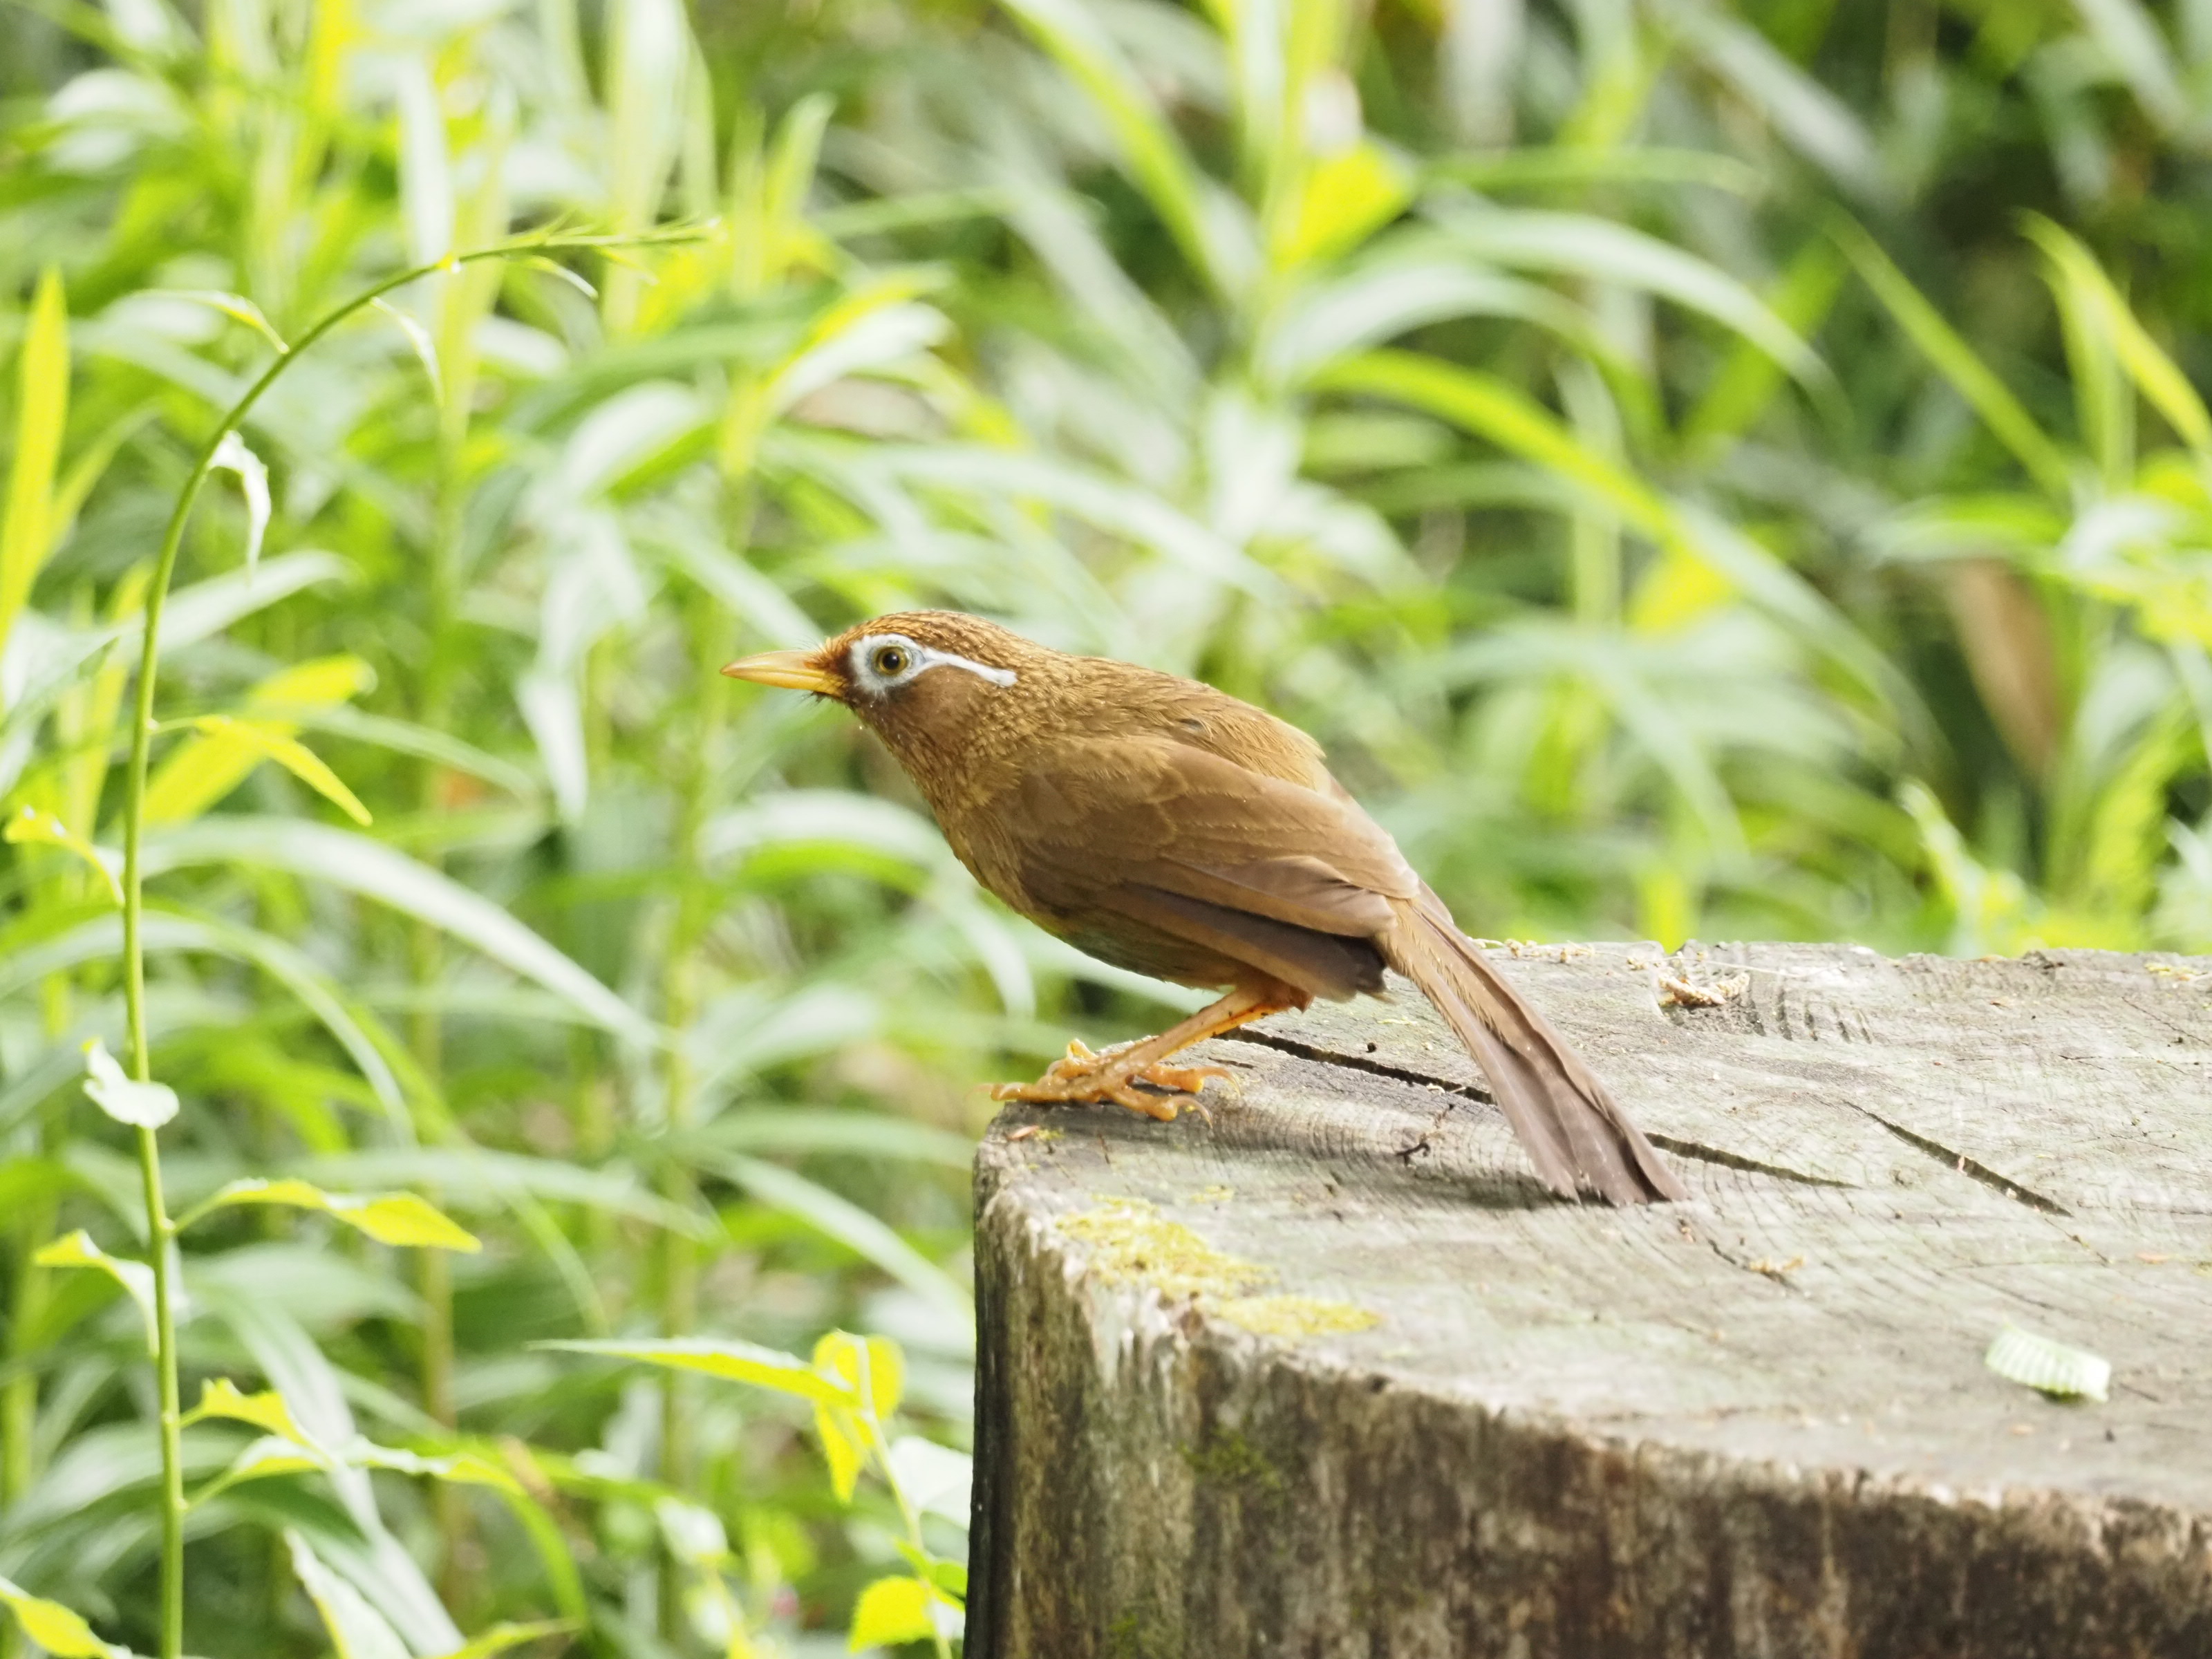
(985, 836)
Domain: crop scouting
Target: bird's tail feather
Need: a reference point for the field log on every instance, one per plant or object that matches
(1574, 1131)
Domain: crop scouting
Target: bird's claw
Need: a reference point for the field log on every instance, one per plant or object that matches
(1185, 1080)
(1086, 1076)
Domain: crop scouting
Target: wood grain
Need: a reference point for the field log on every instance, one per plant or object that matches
(1755, 1424)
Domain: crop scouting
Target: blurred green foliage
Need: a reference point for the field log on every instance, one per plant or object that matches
(1701, 469)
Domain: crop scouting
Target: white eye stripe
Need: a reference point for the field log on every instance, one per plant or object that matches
(918, 660)
(982, 671)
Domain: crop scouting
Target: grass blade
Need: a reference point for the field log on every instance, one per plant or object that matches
(388, 1218)
(295, 757)
(30, 824)
(1161, 167)
(77, 1249)
(1956, 361)
(1599, 251)
(726, 1358)
(54, 1627)
(2077, 275)
(840, 1219)
(41, 412)
(358, 864)
(356, 1629)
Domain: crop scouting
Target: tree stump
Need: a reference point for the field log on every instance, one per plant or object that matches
(1332, 1374)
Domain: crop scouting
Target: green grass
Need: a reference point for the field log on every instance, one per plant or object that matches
(1726, 473)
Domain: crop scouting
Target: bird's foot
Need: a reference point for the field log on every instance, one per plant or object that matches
(1085, 1076)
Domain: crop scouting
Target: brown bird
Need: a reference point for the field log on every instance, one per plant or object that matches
(1165, 827)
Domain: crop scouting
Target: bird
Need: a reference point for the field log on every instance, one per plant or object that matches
(1163, 826)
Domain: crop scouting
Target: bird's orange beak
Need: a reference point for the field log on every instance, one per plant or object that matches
(795, 671)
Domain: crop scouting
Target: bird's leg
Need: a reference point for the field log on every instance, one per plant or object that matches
(1087, 1076)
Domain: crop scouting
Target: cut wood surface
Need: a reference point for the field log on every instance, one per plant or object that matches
(1331, 1374)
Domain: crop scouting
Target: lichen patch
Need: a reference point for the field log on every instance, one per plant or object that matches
(1295, 1315)
(1131, 1242)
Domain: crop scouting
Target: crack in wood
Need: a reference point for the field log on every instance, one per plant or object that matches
(1727, 1159)
(2181, 1033)
(1353, 1062)
(1674, 1144)
(1958, 1161)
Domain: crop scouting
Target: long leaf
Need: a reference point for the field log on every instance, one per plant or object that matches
(1381, 300)
(408, 738)
(760, 607)
(387, 1217)
(319, 853)
(1155, 156)
(1107, 503)
(101, 937)
(1956, 361)
(2168, 389)
(60, 1630)
(77, 1249)
(356, 1629)
(1494, 410)
(1746, 382)
(43, 664)
(41, 413)
(288, 752)
(731, 1360)
(364, 1551)
(842, 1219)
(476, 1178)
(1601, 251)
(1574, 168)
(1811, 120)
(800, 1129)
(202, 610)
(29, 825)
(1491, 409)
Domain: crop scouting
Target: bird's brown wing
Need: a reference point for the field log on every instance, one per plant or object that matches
(1160, 837)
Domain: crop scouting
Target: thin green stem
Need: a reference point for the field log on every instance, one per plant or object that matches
(679, 1286)
(680, 1266)
(435, 1280)
(158, 1226)
(880, 1449)
(163, 1234)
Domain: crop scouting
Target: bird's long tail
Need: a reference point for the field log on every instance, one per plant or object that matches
(1575, 1132)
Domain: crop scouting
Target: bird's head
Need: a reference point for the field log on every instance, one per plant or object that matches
(906, 675)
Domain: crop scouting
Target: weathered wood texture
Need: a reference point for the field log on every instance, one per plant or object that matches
(1756, 1424)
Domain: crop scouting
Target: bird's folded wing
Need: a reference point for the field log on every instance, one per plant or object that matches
(1104, 814)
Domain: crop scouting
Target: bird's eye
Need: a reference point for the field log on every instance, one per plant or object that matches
(890, 661)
